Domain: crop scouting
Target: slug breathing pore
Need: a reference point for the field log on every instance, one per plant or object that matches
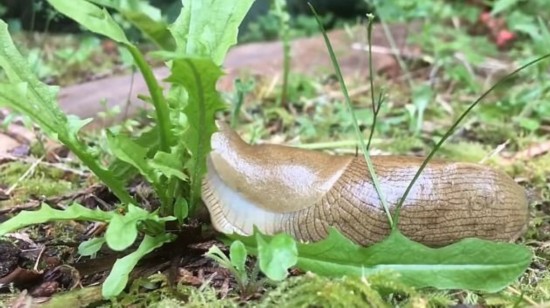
(301, 192)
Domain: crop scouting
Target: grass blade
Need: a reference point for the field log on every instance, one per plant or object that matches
(354, 118)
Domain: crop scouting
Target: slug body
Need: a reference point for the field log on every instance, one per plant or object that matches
(303, 193)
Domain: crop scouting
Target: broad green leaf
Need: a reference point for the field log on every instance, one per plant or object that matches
(145, 17)
(469, 264)
(199, 77)
(237, 254)
(118, 278)
(122, 230)
(134, 154)
(276, 255)
(46, 214)
(91, 246)
(92, 17)
(207, 28)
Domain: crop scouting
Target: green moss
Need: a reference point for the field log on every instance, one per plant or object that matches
(43, 181)
(381, 290)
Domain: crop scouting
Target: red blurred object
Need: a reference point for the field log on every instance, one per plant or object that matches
(497, 30)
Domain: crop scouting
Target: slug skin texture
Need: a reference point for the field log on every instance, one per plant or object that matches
(283, 189)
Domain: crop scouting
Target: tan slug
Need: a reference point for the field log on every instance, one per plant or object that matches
(303, 192)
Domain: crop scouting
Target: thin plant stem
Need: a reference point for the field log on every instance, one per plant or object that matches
(366, 154)
(163, 120)
(375, 107)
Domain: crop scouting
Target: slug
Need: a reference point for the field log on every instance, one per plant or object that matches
(303, 193)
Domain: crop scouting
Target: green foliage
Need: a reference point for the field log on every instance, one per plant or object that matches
(42, 109)
(457, 266)
(171, 156)
(144, 17)
(236, 264)
(268, 26)
(199, 50)
(198, 77)
(92, 17)
(197, 35)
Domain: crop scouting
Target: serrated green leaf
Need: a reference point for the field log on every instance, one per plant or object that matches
(197, 35)
(237, 255)
(46, 214)
(38, 102)
(91, 246)
(472, 264)
(276, 255)
(92, 17)
(199, 77)
(118, 278)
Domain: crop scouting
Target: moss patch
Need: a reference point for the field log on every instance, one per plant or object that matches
(33, 182)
